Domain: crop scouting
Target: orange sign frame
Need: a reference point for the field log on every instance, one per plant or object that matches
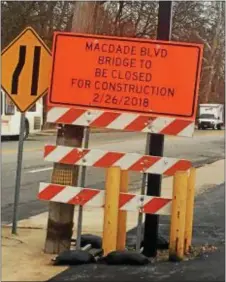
(159, 78)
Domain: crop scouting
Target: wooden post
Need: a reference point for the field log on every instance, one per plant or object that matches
(60, 219)
(177, 227)
(111, 209)
(122, 215)
(189, 210)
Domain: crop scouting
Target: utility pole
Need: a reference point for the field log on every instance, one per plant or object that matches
(156, 144)
(60, 218)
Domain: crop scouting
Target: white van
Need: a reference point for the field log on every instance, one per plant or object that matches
(211, 116)
(10, 118)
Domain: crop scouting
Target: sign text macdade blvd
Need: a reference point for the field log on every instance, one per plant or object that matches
(126, 75)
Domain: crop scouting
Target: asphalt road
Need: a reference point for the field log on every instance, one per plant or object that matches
(204, 147)
(209, 228)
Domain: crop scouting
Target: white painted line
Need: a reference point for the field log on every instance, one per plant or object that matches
(40, 169)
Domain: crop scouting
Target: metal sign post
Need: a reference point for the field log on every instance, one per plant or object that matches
(82, 184)
(143, 186)
(156, 144)
(18, 173)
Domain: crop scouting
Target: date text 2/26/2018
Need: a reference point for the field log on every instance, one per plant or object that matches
(120, 100)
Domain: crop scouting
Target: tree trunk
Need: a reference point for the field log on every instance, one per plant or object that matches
(60, 220)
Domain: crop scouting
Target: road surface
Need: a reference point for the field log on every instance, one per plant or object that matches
(204, 147)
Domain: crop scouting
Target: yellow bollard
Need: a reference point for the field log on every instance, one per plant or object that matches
(122, 215)
(177, 227)
(189, 210)
(111, 209)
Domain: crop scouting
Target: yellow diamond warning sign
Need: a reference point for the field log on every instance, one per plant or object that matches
(26, 67)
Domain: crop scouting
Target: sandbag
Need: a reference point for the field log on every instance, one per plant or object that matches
(94, 240)
(125, 258)
(74, 258)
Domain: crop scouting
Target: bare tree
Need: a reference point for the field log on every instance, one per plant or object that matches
(193, 21)
(43, 16)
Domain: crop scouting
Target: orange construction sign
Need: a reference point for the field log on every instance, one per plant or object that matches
(125, 74)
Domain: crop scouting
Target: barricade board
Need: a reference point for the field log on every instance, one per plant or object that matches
(126, 161)
(95, 198)
(121, 121)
